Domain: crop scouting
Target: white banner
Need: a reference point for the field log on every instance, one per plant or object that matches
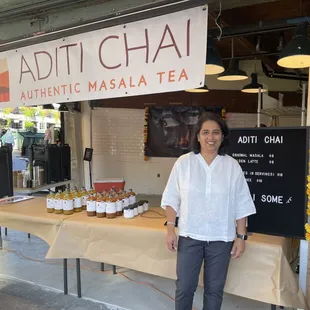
(161, 54)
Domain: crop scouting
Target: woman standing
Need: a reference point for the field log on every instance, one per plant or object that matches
(209, 193)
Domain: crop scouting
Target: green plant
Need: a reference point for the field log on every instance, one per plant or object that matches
(7, 111)
(29, 125)
(56, 116)
(28, 112)
(8, 122)
(42, 113)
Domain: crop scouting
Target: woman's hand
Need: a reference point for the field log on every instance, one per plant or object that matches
(238, 248)
(171, 241)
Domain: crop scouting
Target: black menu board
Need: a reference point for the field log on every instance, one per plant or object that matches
(275, 165)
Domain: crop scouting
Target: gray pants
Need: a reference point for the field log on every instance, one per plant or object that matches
(191, 254)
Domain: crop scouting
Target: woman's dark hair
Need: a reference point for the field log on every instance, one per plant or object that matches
(208, 116)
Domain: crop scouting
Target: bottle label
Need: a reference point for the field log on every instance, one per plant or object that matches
(78, 203)
(126, 202)
(132, 200)
(111, 207)
(119, 205)
(84, 200)
(67, 205)
(58, 204)
(50, 203)
(91, 206)
(101, 207)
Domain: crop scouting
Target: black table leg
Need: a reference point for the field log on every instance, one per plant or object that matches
(0, 239)
(78, 277)
(28, 236)
(102, 266)
(273, 307)
(114, 269)
(65, 276)
(6, 231)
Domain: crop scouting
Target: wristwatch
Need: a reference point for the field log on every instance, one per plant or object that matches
(243, 237)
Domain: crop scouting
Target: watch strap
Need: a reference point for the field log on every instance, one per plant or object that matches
(242, 237)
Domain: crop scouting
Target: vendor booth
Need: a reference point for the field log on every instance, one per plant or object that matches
(100, 218)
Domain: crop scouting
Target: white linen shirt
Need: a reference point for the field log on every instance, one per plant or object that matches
(208, 198)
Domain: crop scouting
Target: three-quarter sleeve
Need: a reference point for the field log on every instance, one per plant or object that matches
(171, 195)
(244, 202)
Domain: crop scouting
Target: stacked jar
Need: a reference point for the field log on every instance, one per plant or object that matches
(136, 209)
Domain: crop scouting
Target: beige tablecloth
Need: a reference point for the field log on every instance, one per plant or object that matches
(31, 216)
(262, 273)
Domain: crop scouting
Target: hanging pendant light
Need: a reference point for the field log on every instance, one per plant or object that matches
(214, 62)
(203, 89)
(296, 54)
(48, 107)
(254, 86)
(233, 73)
(63, 108)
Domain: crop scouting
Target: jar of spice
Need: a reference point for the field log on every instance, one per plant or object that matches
(101, 207)
(145, 205)
(140, 207)
(111, 208)
(128, 212)
(91, 206)
(135, 209)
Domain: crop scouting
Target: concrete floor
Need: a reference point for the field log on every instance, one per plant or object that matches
(28, 281)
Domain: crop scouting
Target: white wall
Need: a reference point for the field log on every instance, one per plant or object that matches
(118, 151)
(118, 148)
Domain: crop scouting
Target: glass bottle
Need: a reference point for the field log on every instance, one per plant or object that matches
(50, 199)
(68, 203)
(101, 206)
(84, 198)
(111, 207)
(132, 197)
(91, 206)
(58, 203)
(77, 199)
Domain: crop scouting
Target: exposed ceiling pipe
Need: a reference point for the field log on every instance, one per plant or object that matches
(30, 8)
(253, 56)
(283, 75)
(112, 19)
(262, 27)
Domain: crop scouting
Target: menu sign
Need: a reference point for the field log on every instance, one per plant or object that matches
(275, 165)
